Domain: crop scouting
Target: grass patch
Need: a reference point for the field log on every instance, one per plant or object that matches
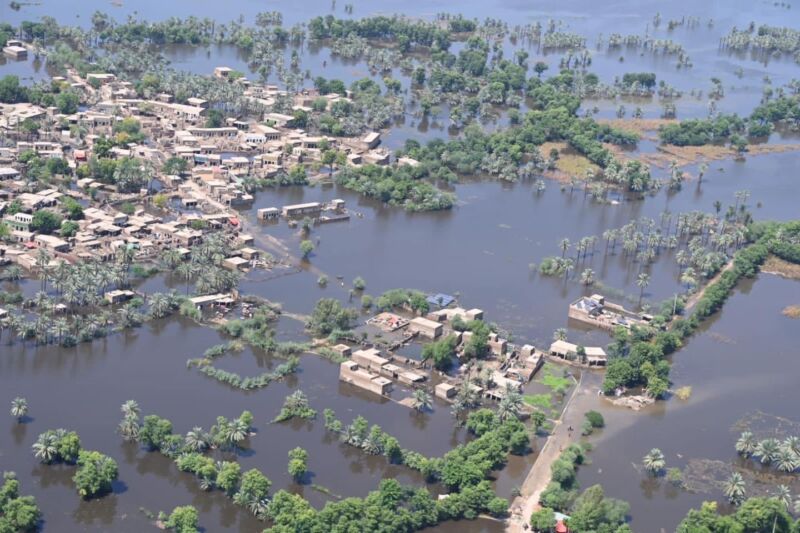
(553, 378)
(541, 401)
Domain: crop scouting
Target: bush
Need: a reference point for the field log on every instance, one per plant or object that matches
(595, 419)
(497, 507)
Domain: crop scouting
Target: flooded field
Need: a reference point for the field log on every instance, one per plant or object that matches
(744, 362)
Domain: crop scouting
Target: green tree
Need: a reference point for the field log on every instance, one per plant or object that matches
(306, 247)
(214, 118)
(329, 315)
(298, 463)
(45, 222)
(69, 228)
(441, 352)
(228, 477)
(95, 474)
(592, 511)
(175, 166)
(183, 519)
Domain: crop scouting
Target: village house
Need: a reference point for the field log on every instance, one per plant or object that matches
(8, 173)
(297, 210)
(54, 244)
(426, 328)
(349, 372)
(369, 359)
(15, 50)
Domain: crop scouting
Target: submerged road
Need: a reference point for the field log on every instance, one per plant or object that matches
(538, 478)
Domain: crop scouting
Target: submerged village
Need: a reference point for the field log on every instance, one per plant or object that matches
(328, 265)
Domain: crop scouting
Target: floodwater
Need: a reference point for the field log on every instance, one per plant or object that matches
(480, 251)
(736, 367)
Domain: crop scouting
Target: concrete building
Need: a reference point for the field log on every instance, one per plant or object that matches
(268, 213)
(426, 328)
(370, 359)
(52, 243)
(15, 50)
(342, 349)
(235, 263)
(296, 210)
(118, 296)
(8, 173)
(591, 356)
(445, 391)
(349, 372)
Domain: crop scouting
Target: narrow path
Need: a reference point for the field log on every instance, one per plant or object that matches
(539, 476)
(694, 298)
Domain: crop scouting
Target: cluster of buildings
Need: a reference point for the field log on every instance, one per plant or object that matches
(376, 371)
(597, 312)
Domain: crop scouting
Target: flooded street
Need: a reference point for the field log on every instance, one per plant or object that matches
(485, 251)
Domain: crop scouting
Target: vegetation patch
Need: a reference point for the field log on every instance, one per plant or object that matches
(792, 311)
(540, 401)
(553, 377)
(779, 267)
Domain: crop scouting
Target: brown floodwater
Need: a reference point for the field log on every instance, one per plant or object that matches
(743, 361)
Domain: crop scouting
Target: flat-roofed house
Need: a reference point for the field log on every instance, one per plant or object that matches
(8, 173)
(425, 327)
(295, 210)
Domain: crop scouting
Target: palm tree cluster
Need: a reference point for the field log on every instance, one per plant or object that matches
(256, 382)
(783, 455)
(701, 244)
(205, 266)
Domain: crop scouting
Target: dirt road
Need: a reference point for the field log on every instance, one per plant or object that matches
(538, 478)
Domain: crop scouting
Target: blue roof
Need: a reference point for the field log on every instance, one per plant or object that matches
(442, 300)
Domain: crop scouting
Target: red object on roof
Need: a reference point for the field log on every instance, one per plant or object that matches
(80, 155)
(30, 244)
(561, 528)
(234, 221)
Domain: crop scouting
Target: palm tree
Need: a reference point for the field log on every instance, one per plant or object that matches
(564, 245)
(159, 305)
(746, 444)
(13, 273)
(792, 444)
(421, 400)
(642, 281)
(654, 461)
(510, 405)
(129, 427)
(734, 488)
(130, 408)
(43, 262)
(19, 408)
(784, 495)
(186, 272)
(767, 450)
(786, 461)
(197, 440)
(46, 447)
(560, 334)
(587, 276)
